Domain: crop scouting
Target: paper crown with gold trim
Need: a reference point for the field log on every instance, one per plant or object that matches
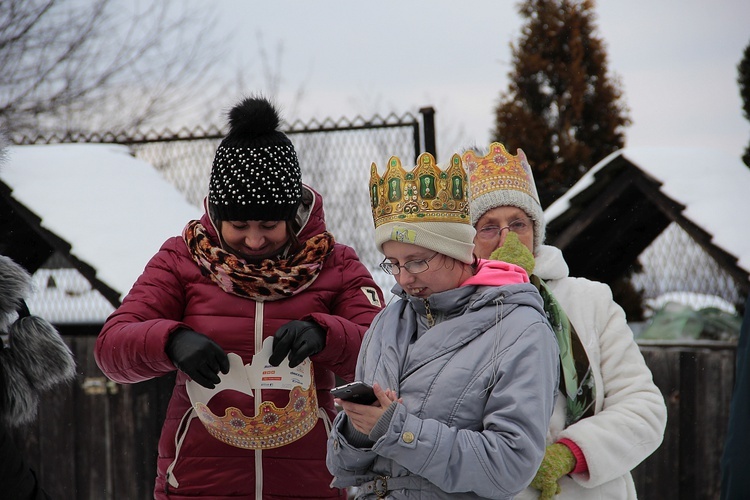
(270, 426)
(427, 206)
(502, 179)
(426, 194)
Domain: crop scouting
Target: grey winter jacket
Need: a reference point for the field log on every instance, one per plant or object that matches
(478, 391)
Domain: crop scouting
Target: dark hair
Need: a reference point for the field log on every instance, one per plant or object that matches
(291, 228)
(473, 266)
(474, 262)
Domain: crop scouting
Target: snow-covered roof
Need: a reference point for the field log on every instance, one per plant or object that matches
(113, 209)
(713, 186)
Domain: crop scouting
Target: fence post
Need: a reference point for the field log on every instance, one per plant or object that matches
(428, 127)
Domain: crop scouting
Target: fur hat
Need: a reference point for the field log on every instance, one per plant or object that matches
(35, 359)
(33, 356)
(255, 174)
(499, 179)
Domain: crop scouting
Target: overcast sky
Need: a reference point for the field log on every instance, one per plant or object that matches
(676, 59)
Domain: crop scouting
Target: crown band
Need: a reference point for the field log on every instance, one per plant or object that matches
(426, 194)
(271, 428)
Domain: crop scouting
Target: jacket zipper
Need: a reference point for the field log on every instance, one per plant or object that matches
(428, 311)
(257, 398)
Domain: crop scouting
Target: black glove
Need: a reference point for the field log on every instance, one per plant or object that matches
(299, 339)
(198, 356)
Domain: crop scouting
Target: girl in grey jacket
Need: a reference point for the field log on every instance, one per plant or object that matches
(464, 365)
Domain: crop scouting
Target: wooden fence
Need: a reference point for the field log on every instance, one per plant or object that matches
(97, 440)
(696, 380)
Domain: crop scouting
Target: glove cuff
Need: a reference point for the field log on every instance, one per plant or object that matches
(581, 466)
(560, 459)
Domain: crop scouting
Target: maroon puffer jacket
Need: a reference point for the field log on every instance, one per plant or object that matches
(172, 293)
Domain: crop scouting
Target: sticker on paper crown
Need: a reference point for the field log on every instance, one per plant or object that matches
(403, 235)
(271, 427)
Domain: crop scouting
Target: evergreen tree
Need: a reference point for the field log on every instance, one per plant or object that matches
(744, 81)
(561, 108)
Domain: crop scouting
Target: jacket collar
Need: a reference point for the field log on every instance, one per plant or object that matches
(549, 263)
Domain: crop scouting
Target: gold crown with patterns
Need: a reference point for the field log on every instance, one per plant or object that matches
(271, 426)
(499, 169)
(426, 194)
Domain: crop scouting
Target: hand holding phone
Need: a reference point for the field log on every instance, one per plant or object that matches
(356, 392)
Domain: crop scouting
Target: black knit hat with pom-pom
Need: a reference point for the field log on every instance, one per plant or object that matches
(255, 174)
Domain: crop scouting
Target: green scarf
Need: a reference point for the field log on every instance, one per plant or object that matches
(576, 377)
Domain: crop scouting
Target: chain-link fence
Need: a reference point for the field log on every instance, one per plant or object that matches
(335, 159)
(676, 268)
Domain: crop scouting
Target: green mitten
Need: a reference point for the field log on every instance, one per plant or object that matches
(558, 460)
(515, 252)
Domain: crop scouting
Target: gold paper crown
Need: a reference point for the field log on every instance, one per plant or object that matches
(426, 194)
(499, 169)
(272, 427)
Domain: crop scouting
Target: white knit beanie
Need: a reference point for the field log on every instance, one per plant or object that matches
(427, 206)
(453, 239)
(500, 179)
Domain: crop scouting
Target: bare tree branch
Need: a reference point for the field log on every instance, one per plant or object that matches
(73, 66)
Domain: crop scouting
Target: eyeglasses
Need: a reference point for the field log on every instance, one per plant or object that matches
(413, 266)
(518, 226)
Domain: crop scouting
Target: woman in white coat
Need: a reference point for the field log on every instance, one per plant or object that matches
(609, 415)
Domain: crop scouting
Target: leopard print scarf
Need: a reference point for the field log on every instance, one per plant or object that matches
(267, 280)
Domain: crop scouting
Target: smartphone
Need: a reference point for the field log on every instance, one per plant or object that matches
(356, 392)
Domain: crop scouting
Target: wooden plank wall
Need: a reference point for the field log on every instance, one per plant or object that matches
(696, 381)
(94, 439)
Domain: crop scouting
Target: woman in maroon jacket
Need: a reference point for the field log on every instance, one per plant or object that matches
(258, 264)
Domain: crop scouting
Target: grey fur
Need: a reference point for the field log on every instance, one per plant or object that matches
(19, 399)
(39, 350)
(36, 358)
(15, 284)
